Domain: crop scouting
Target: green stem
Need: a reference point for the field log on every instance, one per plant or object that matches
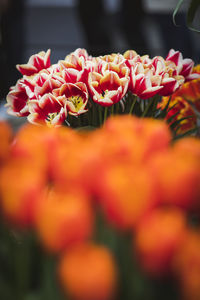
(105, 114)
(22, 261)
(112, 110)
(117, 108)
(90, 111)
(133, 104)
(93, 115)
(49, 288)
(89, 116)
(147, 108)
(100, 116)
(155, 103)
(79, 121)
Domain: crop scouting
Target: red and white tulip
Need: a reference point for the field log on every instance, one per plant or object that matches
(36, 63)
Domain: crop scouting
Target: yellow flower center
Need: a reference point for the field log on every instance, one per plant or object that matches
(77, 102)
(104, 93)
(50, 118)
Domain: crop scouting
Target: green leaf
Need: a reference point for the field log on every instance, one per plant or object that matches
(162, 113)
(172, 107)
(50, 289)
(176, 130)
(167, 105)
(189, 132)
(194, 5)
(172, 117)
(180, 2)
(177, 122)
(147, 107)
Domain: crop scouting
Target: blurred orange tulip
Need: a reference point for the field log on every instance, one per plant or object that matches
(157, 239)
(189, 147)
(20, 190)
(187, 266)
(63, 219)
(126, 193)
(130, 139)
(88, 272)
(6, 138)
(177, 178)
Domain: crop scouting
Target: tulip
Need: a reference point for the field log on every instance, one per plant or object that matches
(126, 194)
(17, 99)
(20, 188)
(107, 89)
(143, 83)
(88, 272)
(183, 66)
(36, 63)
(177, 178)
(74, 97)
(48, 109)
(188, 147)
(6, 138)
(190, 91)
(187, 266)
(157, 239)
(46, 82)
(63, 219)
(180, 109)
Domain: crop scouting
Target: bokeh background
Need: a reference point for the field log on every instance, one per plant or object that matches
(29, 26)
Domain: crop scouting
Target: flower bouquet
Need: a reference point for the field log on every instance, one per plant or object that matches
(108, 213)
(83, 90)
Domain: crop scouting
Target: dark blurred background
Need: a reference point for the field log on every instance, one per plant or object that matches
(29, 26)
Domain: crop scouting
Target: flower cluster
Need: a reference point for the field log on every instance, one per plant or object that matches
(49, 93)
(126, 174)
(184, 104)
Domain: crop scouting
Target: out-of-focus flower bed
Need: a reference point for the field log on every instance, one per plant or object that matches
(108, 214)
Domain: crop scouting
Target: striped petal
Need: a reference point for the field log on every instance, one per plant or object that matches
(36, 63)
